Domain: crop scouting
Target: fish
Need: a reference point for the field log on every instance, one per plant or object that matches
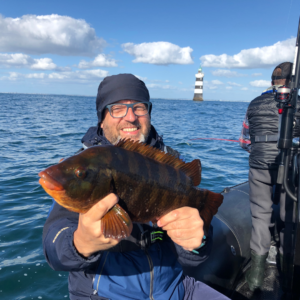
(149, 183)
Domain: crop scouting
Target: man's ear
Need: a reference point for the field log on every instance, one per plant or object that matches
(101, 125)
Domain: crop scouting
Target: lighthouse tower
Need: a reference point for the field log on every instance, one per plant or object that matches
(198, 92)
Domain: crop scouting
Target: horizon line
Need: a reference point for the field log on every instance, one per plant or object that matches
(157, 98)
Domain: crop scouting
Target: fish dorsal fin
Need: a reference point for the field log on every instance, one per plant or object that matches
(192, 169)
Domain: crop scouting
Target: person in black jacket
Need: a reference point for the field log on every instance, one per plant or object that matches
(259, 137)
(148, 264)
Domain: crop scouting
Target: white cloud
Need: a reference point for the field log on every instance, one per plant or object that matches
(260, 83)
(155, 82)
(60, 76)
(216, 82)
(15, 60)
(36, 75)
(141, 78)
(244, 89)
(80, 75)
(43, 64)
(234, 83)
(160, 86)
(12, 76)
(159, 53)
(54, 34)
(100, 60)
(227, 73)
(77, 76)
(256, 74)
(20, 60)
(212, 85)
(263, 57)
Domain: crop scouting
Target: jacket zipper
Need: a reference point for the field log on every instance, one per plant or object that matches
(100, 273)
(151, 274)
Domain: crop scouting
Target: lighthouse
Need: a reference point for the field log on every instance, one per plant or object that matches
(198, 92)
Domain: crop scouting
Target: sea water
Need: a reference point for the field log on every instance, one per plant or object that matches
(36, 131)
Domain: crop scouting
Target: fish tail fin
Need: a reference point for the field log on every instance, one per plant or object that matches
(212, 202)
(116, 223)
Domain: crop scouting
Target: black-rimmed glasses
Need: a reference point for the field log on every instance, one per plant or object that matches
(120, 110)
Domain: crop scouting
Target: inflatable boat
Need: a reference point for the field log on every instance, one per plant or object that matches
(225, 269)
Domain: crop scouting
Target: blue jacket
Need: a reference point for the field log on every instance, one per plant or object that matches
(153, 272)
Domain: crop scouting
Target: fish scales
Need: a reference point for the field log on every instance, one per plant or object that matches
(144, 184)
(163, 178)
(149, 184)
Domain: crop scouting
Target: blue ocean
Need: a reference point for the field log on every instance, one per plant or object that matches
(36, 131)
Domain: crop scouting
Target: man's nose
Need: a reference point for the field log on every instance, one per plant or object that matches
(130, 115)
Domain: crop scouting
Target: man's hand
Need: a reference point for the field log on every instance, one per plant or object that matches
(88, 237)
(184, 226)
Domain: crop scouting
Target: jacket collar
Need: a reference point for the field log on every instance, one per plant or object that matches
(94, 136)
(271, 89)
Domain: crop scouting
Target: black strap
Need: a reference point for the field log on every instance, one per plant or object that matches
(150, 237)
(280, 77)
(142, 237)
(264, 138)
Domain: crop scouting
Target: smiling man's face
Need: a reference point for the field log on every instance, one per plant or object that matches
(128, 127)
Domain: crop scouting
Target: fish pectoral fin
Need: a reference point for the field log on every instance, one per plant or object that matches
(116, 223)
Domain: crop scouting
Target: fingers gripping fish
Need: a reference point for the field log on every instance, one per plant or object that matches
(149, 183)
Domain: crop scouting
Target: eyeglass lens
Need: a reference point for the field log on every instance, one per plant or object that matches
(120, 110)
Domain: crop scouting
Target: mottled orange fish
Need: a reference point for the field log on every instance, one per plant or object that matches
(149, 183)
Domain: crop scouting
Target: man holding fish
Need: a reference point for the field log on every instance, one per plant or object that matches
(108, 196)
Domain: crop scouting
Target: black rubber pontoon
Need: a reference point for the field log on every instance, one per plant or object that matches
(225, 269)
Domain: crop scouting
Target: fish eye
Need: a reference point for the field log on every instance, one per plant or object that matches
(80, 173)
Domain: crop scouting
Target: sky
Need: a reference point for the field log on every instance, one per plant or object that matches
(68, 47)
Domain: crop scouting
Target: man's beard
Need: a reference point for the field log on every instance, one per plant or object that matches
(115, 138)
(142, 139)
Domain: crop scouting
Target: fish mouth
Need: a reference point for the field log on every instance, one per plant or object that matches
(47, 182)
(56, 190)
